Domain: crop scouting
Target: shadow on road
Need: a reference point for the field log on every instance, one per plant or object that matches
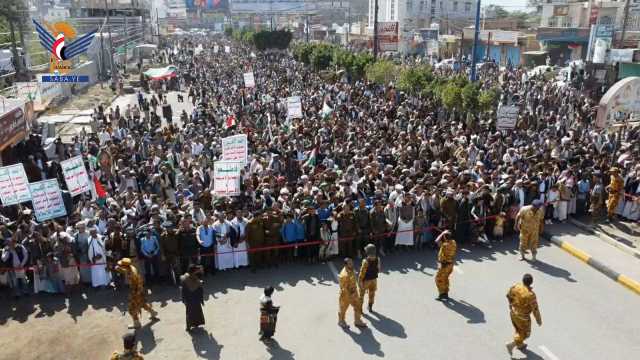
(553, 270)
(386, 325)
(528, 355)
(277, 352)
(367, 342)
(204, 344)
(147, 338)
(472, 313)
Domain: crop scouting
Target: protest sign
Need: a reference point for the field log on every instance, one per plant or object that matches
(227, 49)
(235, 148)
(14, 188)
(507, 117)
(216, 48)
(47, 200)
(294, 107)
(249, 80)
(75, 175)
(226, 178)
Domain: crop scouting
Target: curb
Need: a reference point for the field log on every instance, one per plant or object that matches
(624, 280)
(606, 238)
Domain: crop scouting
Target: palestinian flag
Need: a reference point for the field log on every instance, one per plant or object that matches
(230, 121)
(100, 195)
(313, 158)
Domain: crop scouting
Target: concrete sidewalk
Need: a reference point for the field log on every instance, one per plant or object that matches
(589, 248)
(621, 234)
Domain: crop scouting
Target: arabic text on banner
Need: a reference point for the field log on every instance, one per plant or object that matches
(75, 175)
(47, 200)
(226, 178)
(14, 185)
(507, 117)
(235, 148)
(249, 80)
(294, 107)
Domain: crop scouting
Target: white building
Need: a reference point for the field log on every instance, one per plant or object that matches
(417, 14)
(57, 12)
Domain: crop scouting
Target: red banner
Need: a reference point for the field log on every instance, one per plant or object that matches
(13, 127)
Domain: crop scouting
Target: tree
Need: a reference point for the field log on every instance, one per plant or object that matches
(497, 12)
(228, 31)
(414, 79)
(302, 52)
(451, 96)
(470, 95)
(321, 56)
(488, 99)
(381, 72)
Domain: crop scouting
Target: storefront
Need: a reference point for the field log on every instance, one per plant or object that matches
(564, 44)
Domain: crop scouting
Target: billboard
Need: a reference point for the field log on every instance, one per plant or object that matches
(388, 36)
(222, 5)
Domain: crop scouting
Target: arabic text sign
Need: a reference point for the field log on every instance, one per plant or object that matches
(47, 200)
(235, 148)
(507, 117)
(226, 178)
(294, 107)
(388, 36)
(249, 80)
(14, 185)
(227, 49)
(75, 175)
(216, 48)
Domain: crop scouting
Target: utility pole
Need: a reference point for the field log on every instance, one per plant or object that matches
(375, 30)
(157, 25)
(348, 24)
(307, 26)
(460, 51)
(17, 60)
(102, 67)
(475, 42)
(624, 25)
(488, 46)
(114, 71)
(126, 43)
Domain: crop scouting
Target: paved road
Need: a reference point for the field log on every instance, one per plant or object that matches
(585, 315)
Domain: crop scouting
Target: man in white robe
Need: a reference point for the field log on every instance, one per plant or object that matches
(240, 256)
(98, 257)
(224, 251)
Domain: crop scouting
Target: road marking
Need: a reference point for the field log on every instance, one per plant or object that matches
(548, 352)
(457, 269)
(333, 270)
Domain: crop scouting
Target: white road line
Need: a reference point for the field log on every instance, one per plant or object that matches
(333, 270)
(457, 269)
(548, 352)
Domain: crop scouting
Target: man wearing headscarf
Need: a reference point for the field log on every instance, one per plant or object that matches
(529, 223)
(368, 277)
(137, 298)
(446, 258)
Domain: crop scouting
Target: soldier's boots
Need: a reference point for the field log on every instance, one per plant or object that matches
(360, 324)
(510, 347)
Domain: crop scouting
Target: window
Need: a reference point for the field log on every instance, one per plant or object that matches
(455, 6)
(433, 11)
(409, 5)
(422, 5)
(467, 6)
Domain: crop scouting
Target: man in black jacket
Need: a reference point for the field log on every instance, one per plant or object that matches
(189, 246)
(311, 223)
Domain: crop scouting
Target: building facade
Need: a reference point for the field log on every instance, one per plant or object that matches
(412, 15)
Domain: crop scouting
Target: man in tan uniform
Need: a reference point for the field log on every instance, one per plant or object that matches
(529, 223)
(349, 295)
(369, 275)
(616, 191)
(522, 302)
(446, 258)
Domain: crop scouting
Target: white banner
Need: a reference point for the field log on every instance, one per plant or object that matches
(507, 117)
(47, 200)
(216, 48)
(75, 175)
(227, 49)
(236, 148)
(249, 80)
(14, 185)
(226, 178)
(294, 107)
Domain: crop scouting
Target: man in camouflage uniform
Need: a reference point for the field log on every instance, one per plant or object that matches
(522, 302)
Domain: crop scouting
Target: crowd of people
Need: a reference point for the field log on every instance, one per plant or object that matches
(365, 163)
